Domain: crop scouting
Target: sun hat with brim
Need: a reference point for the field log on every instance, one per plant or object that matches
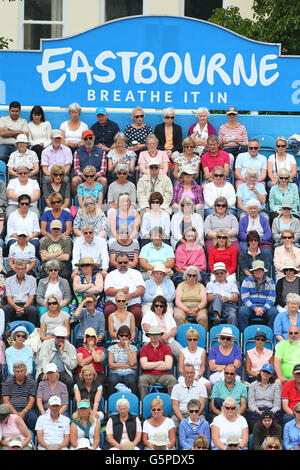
(15, 443)
(219, 267)
(290, 264)
(54, 400)
(60, 331)
(154, 330)
(258, 264)
(286, 204)
(159, 267)
(83, 443)
(226, 331)
(91, 332)
(4, 412)
(188, 170)
(159, 439)
(21, 329)
(233, 439)
(22, 138)
(154, 161)
(83, 404)
(88, 260)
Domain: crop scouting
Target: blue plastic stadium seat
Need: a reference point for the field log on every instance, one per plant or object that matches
(133, 402)
(146, 404)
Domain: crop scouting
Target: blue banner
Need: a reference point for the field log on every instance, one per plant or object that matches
(154, 62)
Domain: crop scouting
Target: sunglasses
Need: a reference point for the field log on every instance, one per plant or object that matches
(155, 202)
(88, 138)
(60, 337)
(221, 237)
(232, 445)
(23, 235)
(253, 148)
(287, 237)
(280, 146)
(284, 177)
(121, 301)
(169, 117)
(85, 265)
(218, 175)
(230, 408)
(52, 303)
(88, 233)
(57, 174)
(192, 339)
(23, 173)
(225, 338)
(90, 176)
(124, 336)
(139, 116)
(156, 409)
(294, 333)
(52, 269)
(260, 339)
(87, 204)
(122, 173)
(189, 147)
(56, 202)
(24, 203)
(191, 275)
(20, 336)
(194, 411)
(273, 447)
(122, 262)
(158, 306)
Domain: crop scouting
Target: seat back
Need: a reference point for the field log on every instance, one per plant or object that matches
(183, 329)
(133, 402)
(215, 330)
(147, 400)
(249, 333)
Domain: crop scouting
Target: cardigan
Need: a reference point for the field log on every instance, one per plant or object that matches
(195, 189)
(159, 131)
(243, 225)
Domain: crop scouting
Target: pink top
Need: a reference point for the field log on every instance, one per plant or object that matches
(258, 360)
(185, 258)
(11, 429)
(145, 157)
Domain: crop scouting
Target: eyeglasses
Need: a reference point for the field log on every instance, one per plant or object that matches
(225, 338)
(189, 146)
(297, 411)
(24, 203)
(218, 175)
(124, 336)
(169, 117)
(60, 337)
(52, 303)
(230, 408)
(52, 269)
(88, 233)
(121, 301)
(158, 306)
(137, 116)
(87, 204)
(90, 176)
(253, 148)
(88, 138)
(57, 174)
(194, 411)
(155, 202)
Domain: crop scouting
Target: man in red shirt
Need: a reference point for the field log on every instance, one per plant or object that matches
(214, 157)
(156, 361)
(290, 395)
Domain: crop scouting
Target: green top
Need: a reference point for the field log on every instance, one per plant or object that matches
(289, 355)
(238, 391)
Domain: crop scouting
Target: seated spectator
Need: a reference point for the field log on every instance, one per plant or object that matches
(222, 296)
(169, 134)
(216, 189)
(53, 284)
(10, 127)
(285, 221)
(154, 182)
(104, 130)
(280, 160)
(86, 280)
(286, 318)
(223, 354)
(156, 252)
(152, 152)
(187, 159)
(52, 318)
(51, 386)
(230, 421)
(56, 153)
(192, 426)
(124, 245)
(258, 297)
(250, 159)
(120, 186)
(156, 361)
(39, 130)
(87, 387)
(189, 253)
(90, 317)
(289, 284)
(221, 218)
(255, 221)
(137, 132)
(82, 420)
(253, 253)
(258, 356)
(122, 362)
(19, 186)
(90, 213)
(263, 395)
(159, 282)
(89, 246)
(285, 253)
(132, 429)
(56, 213)
(56, 246)
(186, 217)
(160, 317)
(158, 423)
(233, 136)
(60, 351)
(201, 129)
(287, 355)
(251, 190)
(290, 395)
(200, 443)
(291, 431)
(22, 249)
(127, 280)
(267, 427)
(225, 253)
(90, 353)
(53, 428)
(214, 158)
(13, 428)
(23, 157)
(57, 184)
(89, 187)
(187, 188)
(155, 217)
(184, 391)
(284, 190)
(119, 318)
(191, 299)
(73, 128)
(273, 443)
(229, 387)
(20, 295)
(120, 154)
(19, 352)
(124, 213)
(19, 392)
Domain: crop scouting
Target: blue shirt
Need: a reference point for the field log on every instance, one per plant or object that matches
(155, 256)
(244, 161)
(64, 217)
(291, 435)
(282, 324)
(246, 194)
(95, 321)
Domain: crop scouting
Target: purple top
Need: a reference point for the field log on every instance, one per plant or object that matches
(179, 192)
(220, 359)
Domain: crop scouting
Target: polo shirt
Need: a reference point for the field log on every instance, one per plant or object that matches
(19, 394)
(289, 355)
(291, 393)
(20, 292)
(154, 355)
(244, 161)
(15, 125)
(211, 161)
(105, 134)
(131, 278)
(54, 432)
(53, 246)
(237, 392)
(226, 288)
(63, 156)
(154, 255)
(184, 394)
(97, 250)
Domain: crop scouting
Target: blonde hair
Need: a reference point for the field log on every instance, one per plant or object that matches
(55, 169)
(157, 402)
(90, 368)
(83, 209)
(134, 111)
(229, 401)
(222, 232)
(53, 296)
(189, 141)
(192, 333)
(91, 417)
(200, 441)
(273, 441)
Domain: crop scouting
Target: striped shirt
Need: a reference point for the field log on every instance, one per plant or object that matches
(227, 134)
(258, 295)
(44, 392)
(19, 394)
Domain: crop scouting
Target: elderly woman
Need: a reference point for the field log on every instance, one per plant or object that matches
(290, 316)
(186, 217)
(286, 252)
(124, 245)
(13, 427)
(121, 186)
(137, 132)
(191, 299)
(73, 128)
(155, 217)
(56, 213)
(159, 284)
(192, 426)
(253, 253)
(169, 134)
(39, 130)
(18, 351)
(200, 131)
(189, 252)
(123, 427)
(158, 423)
(223, 354)
(258, 356)
(285, 220)
(51, 386)
(152, 152)
(285, 189)
(233, 136)
(90, 213)
(53, 284)
(90, 186)
(217, 188)
(255, 221)
(280, 160)
(22, 185)
(122, 362)
(229, 422)
(120, 154)
(52, 318)
(121, 317)
(84, 425)
(250, 190)
(124, 213)
(87, 387)
(186, 159)
(223, 252)
(187, 188)
(23, 156)
(289, 284)
(90, 353)
(291, 431)
(57, 184)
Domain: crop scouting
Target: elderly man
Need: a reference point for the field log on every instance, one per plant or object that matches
(154, 182)
(291, 395)
(62, 353)
(186, 390)
(104, 130)
(156, 252)
(90, 246)
(55, 246)
(156, 360)
(10, 127)
(127, 280)
(53, 428)
(19, 392)
(250, 159)
(258, 294)
(56, 153)
(287, 355)
(89, 155)
(222, 296)
(20, 295)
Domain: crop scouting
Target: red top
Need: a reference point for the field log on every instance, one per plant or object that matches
(290, 392)
(211, 161)
(98, 366)
(154, 355)
(227, 256)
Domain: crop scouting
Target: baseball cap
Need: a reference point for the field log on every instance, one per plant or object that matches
(54, 400)
(260, 333)
(22, 232)
(232, 439)
(86, 133)
(153, 161)
(232, 110)
(83, 404)
(268, 367)
(56, 133)
(56, 224)
(296, 368)
(51, 368)
(101, 111)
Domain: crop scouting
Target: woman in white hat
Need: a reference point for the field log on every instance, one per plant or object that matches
(18, 351)
(23, 156)
(223, 354)
(159, 284)
(49, 387)
(288, 317)
(285, 253)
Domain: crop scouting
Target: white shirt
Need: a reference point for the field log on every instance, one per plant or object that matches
(151, 319)
(23, 189)
(16, 222)
(40, 133)
(225, 288)
(227, 428)
(53, 431)
(96, 250)
(73, 136)
(184, 394)
(211, 192)
(131, 279)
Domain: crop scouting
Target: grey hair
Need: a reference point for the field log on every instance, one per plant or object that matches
(151, 137)
(120, 136)
(253, 203)
(189, 269)
(19, 364)
(252, 171)
(203, 110)
(122, 167)
(293, 297)
(121, 255)
(88, 226)
(193, 402)
(168, 112)
(122, 402)
(52, 263)
(213, 138)
(74, 107)
(20, 262)
(231, 402)
(187, 199)
(22, 165)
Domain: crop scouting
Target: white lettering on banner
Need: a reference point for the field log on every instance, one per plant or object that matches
(296, 94)
(171, 68)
